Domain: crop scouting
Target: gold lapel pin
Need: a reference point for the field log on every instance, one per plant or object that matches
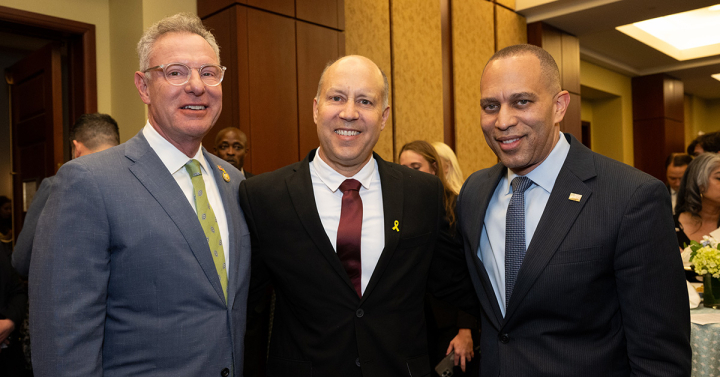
(226, 176)
(575, 197)
(395, 228)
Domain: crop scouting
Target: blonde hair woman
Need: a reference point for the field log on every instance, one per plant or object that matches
(451, 167)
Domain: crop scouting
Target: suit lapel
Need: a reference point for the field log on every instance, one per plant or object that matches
(300, 189)
(474, 232)
(557, 219)
(392, 196)
(154, 176)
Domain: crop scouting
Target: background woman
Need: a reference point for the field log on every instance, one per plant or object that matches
(698, 203)
(697, 212)
(446, 323)
(451, 167)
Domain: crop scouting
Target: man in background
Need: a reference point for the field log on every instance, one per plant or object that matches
(709, 142)
(675, 166)
(91, 133)
(141, 260)
(573, 255)
(231, 145)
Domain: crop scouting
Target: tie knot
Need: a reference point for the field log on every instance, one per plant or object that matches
(193, 168)
(350, 184)
(520, 184)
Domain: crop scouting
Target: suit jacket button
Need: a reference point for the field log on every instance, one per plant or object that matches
(225, 372)
(504, 338)
(359, 313)
(357, 361)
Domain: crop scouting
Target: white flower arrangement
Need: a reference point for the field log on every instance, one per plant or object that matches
(704, 255)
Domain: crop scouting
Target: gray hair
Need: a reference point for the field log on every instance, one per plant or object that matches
(179, 23)
(548, 66)
(695, 182)
(386, 86)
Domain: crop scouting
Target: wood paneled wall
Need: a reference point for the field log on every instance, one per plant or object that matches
(417, 71)
(473, 37)
(275, 51)
(658, 121)
(565, 49)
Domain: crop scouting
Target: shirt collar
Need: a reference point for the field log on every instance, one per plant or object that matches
(170, 156)
(333, 179)
(545, 174)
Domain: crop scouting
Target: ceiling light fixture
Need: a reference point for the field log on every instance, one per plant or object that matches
(683, 36)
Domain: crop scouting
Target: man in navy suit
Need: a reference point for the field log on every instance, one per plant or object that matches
(573, 255)
(141, 261)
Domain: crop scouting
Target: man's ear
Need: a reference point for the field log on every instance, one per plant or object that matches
(561, 105)
(142, 87)
(385, 115)
(79, 149)
(315, 110)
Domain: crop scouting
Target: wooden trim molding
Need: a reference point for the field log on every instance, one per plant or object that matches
(81, 52)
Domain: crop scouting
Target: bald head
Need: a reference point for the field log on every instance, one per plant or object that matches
(231, 145)
(355, 58)
(350, 111)
(548, 67)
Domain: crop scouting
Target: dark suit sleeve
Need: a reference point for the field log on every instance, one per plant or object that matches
(651, 286)
(259, 278)
(69, 277)
(449, 279)
(23, 247)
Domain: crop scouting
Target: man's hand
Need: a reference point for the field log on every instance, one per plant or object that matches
(462, 343)
(6, 328)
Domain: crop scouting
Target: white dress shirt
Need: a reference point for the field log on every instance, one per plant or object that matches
(175, 161)
(328, 198)
(492, 240)
(673, 198)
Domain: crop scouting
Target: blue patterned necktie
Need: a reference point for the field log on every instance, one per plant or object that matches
(515, 234)
(208, 221)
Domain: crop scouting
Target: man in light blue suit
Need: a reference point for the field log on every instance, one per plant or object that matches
(141, 261)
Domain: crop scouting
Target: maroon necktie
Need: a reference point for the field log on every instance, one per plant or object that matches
(350, 231)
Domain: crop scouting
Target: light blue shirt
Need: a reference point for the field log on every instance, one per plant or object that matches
(492, 240)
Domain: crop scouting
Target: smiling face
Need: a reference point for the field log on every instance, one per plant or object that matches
(521, 110)
(181, 114)
(349, 113)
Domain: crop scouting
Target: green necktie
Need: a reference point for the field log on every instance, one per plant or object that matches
(208, 221)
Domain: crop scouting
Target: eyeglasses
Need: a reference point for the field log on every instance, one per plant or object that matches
(179, 73)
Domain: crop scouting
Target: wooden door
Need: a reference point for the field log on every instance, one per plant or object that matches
(36, 124)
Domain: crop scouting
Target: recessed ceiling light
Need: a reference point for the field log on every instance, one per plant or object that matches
(688, 35)
(716, 76)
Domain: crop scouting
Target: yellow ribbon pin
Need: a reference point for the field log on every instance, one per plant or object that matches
(395, 228)
(225, 175)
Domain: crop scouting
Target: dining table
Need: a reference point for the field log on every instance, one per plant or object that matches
(705, 341)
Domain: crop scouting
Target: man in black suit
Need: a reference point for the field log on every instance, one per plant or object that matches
(91, 133)
(588, 242)
(350, 291)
